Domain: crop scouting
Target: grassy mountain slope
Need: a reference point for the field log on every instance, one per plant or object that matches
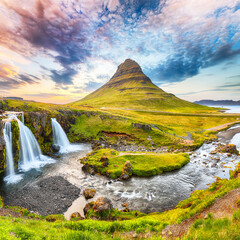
(130, 88)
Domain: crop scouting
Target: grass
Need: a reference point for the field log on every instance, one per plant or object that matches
(182, 124)
(211, 229)
(20, 228)
(165, 132)
(93, 127)
(143, 164)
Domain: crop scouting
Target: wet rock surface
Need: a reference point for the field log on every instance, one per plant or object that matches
(2, 145)
(55, 148)
(53, 195)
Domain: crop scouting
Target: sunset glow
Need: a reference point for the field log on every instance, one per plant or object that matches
(60, 50)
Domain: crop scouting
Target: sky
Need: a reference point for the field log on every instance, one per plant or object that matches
(59, 51)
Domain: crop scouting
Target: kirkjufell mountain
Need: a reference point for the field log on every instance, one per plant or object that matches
(130, 88)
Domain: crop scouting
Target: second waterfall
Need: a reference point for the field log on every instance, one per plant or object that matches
(61, 140)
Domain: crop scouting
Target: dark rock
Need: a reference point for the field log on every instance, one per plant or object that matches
(92, 171)
(89, 193)
(127, 171)
(55, 148)
(87, 207)
(102, 204)
(145, 127)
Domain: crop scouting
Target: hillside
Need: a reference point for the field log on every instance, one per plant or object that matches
(130, 88)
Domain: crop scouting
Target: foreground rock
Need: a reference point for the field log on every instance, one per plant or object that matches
(89, 193)
(101, 209)
(227, 148)
(102, 204)
(52, 195)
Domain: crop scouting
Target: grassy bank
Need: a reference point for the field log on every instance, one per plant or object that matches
(143, 164)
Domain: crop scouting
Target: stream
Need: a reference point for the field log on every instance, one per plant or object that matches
(153, 194)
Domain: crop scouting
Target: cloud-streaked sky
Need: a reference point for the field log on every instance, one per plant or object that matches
(60, 50)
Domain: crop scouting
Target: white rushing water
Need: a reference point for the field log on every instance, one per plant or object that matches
(60, 138)
(30, 152)
(11, 176)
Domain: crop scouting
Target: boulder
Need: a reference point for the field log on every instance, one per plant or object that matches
(87, 207)
(55, 148)
(145, 127)
(227, 148)
(127, 171)
(89, 193)
(102, 204)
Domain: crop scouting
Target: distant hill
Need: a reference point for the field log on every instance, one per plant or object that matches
(218, 102)
(130, 88)
(13, 98)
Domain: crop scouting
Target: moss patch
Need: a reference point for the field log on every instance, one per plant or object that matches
(143, 164)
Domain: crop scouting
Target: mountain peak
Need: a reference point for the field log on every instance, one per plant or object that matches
(129, 63)
(130, 88)
(127, 71)
(127, 67)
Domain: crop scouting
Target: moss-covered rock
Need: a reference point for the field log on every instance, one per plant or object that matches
(89, 193)
(15, 141)
(227, 148)
(41, 126)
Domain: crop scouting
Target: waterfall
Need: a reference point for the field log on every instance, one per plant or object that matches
(7, 133)
(30, 152)
(60, 137)
(11, 176)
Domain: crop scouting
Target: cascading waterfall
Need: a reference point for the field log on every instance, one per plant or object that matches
(30, 152)
(60, 138)
(11, 175)
(7, 133)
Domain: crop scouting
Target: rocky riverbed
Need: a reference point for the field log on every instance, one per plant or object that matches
(52, 195)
